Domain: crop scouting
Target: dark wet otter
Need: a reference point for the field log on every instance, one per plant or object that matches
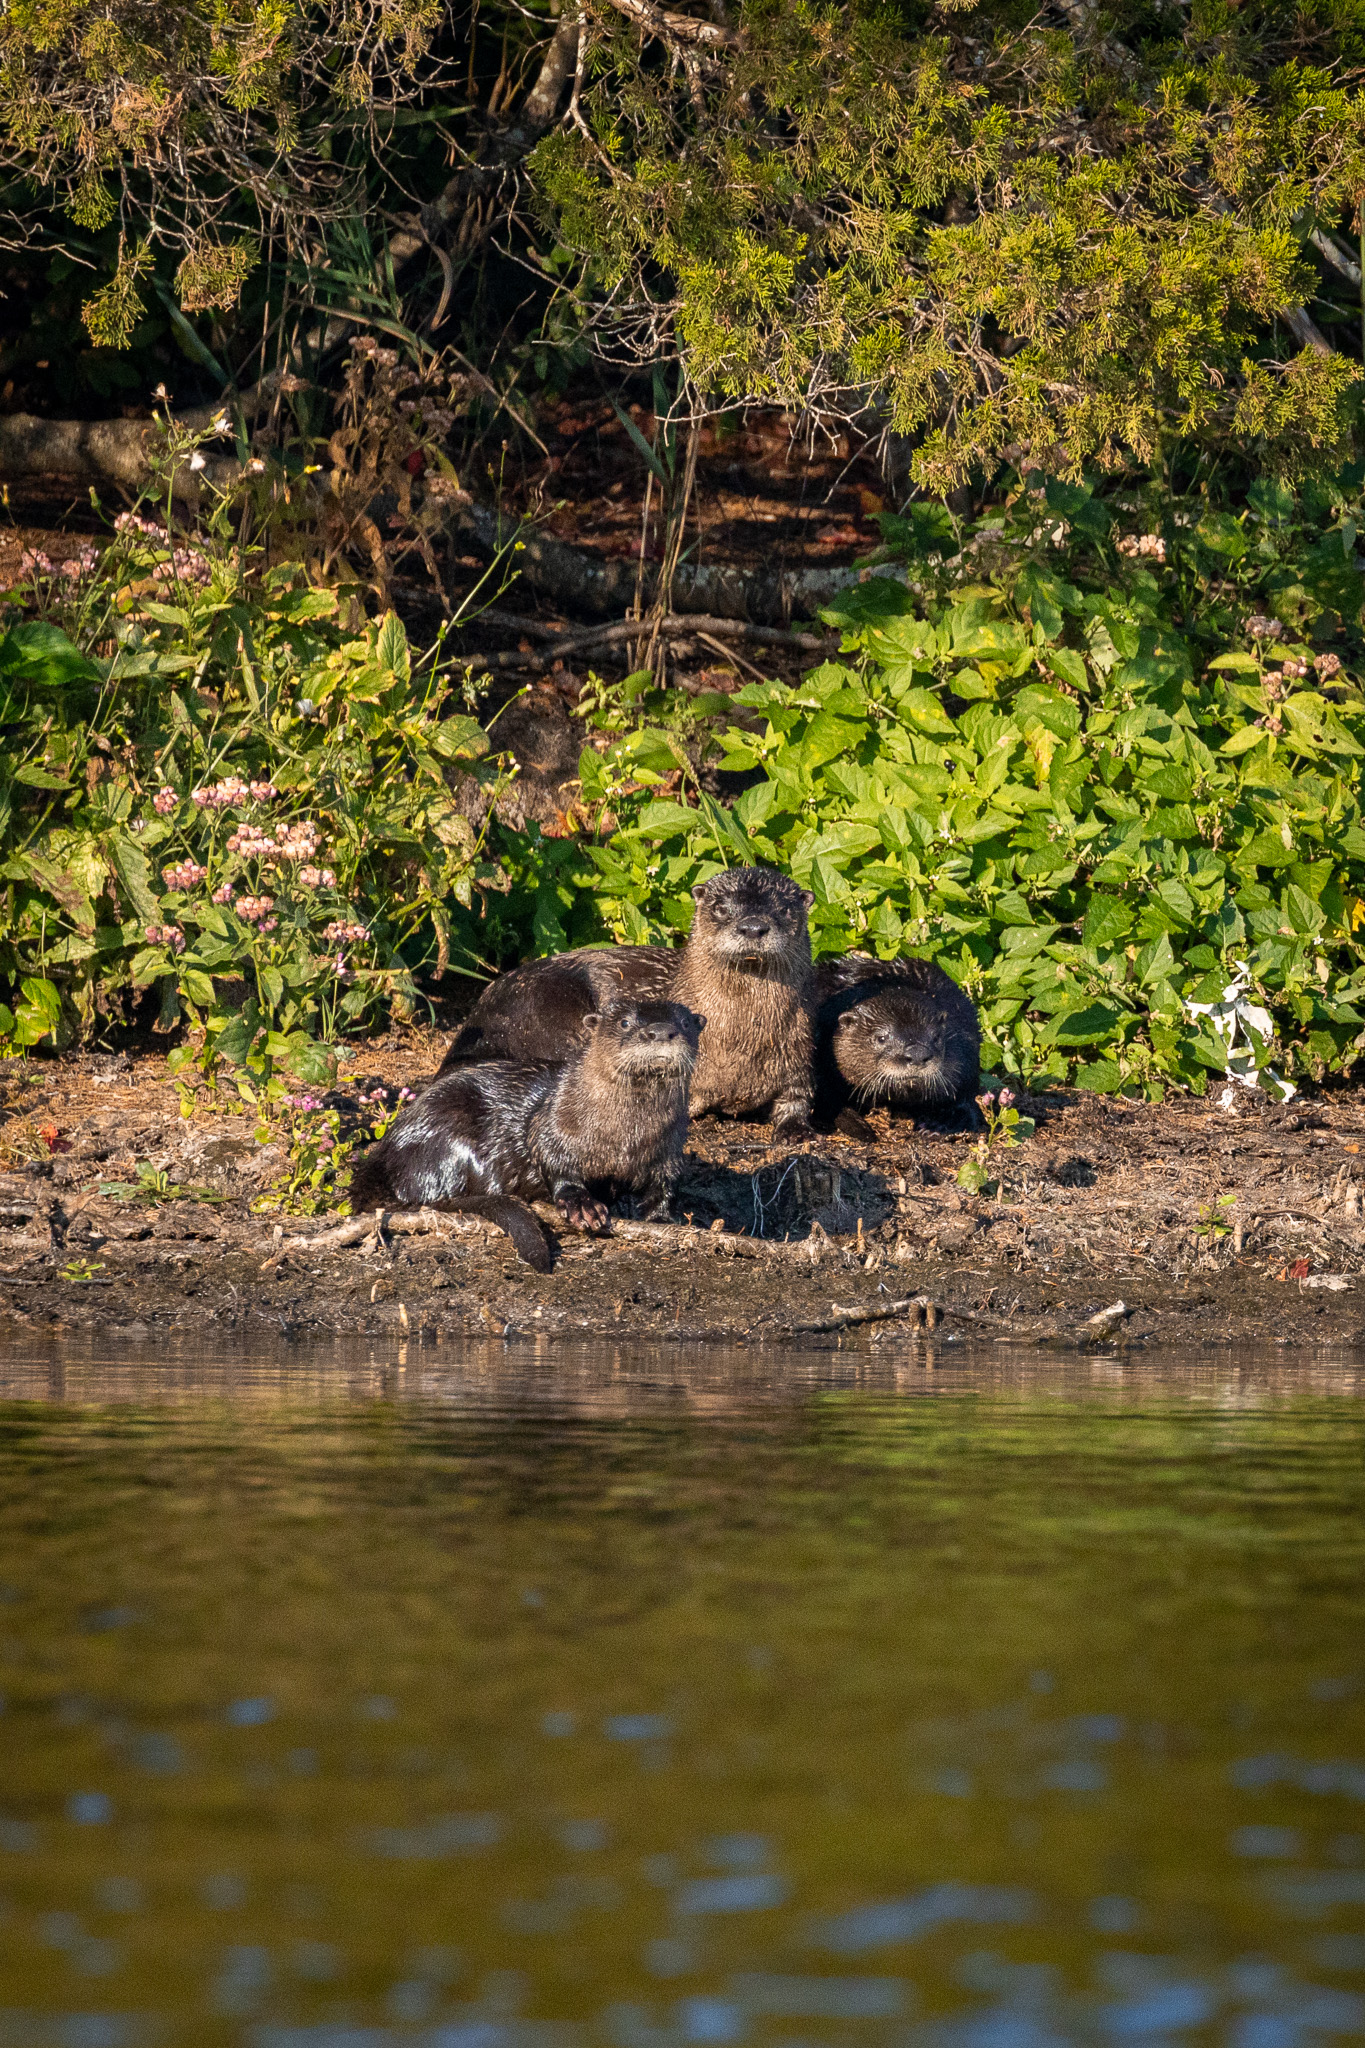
(746, 967)
(894, 1031)
(608, 1120)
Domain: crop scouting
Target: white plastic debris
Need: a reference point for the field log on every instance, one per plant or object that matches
(1235, 1016)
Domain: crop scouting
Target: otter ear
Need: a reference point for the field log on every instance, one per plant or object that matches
(698, 891)
(591, 1021)
(700, 1022)
(808, 898)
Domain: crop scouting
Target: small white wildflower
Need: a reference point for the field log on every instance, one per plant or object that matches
(197, 461)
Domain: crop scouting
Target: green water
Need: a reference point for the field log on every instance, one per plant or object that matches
(610, 1699)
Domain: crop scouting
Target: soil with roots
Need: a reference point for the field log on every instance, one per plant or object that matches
(1115, 1229)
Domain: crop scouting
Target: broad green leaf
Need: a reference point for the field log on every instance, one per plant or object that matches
(1107, 920)
(391, 649)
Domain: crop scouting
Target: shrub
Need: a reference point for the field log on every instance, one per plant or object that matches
(238, 804)
(1086, 769)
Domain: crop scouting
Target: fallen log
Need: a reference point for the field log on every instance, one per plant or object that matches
(583, 582)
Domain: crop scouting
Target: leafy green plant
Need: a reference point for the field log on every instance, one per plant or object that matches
(319, 1153)
(81, 1271)
(154, 1185)
(1214, 1221)
(215, 790)
(1088, 755)
(1005, 1128)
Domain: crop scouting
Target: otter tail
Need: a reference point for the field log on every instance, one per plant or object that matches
(528, 1234)
(372, 1189)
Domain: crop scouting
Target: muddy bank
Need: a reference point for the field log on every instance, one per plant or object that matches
(1209, 1228)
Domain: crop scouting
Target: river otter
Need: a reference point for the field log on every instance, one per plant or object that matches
(746, 967)
(610, 1119)
(895, 1031)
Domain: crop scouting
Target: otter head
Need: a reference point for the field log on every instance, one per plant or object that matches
(898, 1045)
(754, 919)
(653, 1038)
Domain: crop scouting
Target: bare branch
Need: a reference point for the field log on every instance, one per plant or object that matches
(678, 28)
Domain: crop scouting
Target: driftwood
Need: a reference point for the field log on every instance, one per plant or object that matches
(584, 582)
(555, 646)
(673, 1237)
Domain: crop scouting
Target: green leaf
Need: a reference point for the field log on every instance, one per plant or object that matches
(197, 987)
(1107, 920)
(1222, 535)
(391, 649)
(1085, 1025)
(43, 655)
(925, 710)
(1242, 742)
(40, 1012)
(460, 739)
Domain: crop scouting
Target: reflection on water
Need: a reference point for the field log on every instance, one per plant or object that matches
(624, 1700)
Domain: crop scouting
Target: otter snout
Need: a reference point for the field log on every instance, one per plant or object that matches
(914, 1052)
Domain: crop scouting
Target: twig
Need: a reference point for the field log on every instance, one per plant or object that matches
(846, 1318)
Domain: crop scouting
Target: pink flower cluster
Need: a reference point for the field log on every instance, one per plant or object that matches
(133, 522)
(184, 874)
(291, 842)
(317, 878)
(166, 935)
(298, 841)
(186, 565)
(34, 562)
(232, 794)
(306, 1103)
(1262, 627)
(256, 910)
(223, 895)
(342, 929)
(1136, 545)
(251, 841)
(164, 802)
(1327, 665)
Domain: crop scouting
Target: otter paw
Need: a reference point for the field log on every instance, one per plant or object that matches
(581, 1212)
(794, 1130)
(849, 1124)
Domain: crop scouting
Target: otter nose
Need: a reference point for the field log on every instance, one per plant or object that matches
(753, 927)
(920, 1050)
(662, 1029)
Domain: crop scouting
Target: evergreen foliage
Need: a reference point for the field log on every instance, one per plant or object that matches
(1082, 232)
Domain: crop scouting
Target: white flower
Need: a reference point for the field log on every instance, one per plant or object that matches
(197, 461)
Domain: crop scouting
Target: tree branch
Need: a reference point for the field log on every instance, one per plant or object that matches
(681, 28)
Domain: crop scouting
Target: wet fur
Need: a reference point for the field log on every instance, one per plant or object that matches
(610, 1120)
(924, 1010)
(758, 999)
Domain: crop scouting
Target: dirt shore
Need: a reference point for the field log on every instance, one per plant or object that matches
(1209, 1227)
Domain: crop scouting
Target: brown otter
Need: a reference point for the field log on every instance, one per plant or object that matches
(746, 967)
(611, 1119)
(895, 1031)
